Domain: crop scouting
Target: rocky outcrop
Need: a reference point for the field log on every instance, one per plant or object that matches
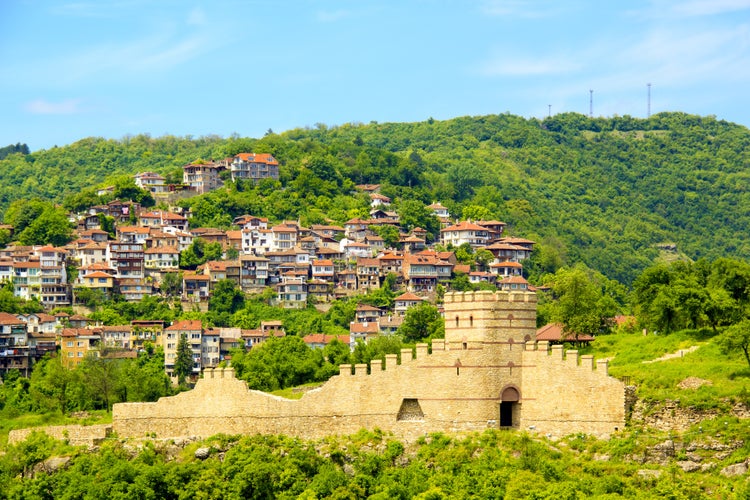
(670, 416)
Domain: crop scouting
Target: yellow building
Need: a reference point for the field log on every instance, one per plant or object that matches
(76, 344)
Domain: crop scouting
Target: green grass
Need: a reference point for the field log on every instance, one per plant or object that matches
(296, 392)
(728, 374)
(28, 420)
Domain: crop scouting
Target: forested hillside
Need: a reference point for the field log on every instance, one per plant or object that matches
(604, 191)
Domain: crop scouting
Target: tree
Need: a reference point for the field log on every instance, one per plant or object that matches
(461, 283)
(51, 227)
(199, 252)
(389, 234)
(581, 306)
(422, 321)
(465, 253)
(736, 337)
(476, 212)
(226, 299)
(483, 258)
(50, 385)
(183, 363)
(101, 378)
(413, 213)
(171, 284)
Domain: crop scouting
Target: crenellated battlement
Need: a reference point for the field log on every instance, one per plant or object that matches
(408, 356)
(569, 358)
(481, 296)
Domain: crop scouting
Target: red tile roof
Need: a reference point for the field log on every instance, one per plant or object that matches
(553, 332)
(257, 158)
(187, 324)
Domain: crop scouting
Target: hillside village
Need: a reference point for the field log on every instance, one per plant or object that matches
(303, 265)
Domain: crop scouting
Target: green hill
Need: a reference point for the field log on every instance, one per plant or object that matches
(605, 191)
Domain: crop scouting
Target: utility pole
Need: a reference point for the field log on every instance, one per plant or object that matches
(648, 109)
(591, 103)
(549, 110)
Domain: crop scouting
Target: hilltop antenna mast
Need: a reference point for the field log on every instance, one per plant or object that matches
(648, 109)
(591, 103)
(549, 110)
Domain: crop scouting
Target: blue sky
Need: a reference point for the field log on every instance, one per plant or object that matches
(110, 68)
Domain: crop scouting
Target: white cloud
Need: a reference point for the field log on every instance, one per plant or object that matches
(685, 57)
(44, 107)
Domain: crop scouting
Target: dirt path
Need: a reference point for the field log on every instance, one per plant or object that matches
(672, 355)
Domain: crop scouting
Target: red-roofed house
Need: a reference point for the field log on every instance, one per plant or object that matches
(254, 167)
(404, 302)
(163, 218)
(323, 269)
(202, 177)
(465, 232)
(362, 331)
(76, 344)
(513, 283)
(368, 273)
(320, 340)
(553, 333)
(420, 272)
(193, 331)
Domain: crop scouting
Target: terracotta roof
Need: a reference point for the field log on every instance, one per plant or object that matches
(504, 245)
(162, 215)
(98, 274)
(163, 249)
(378, 196)
(257, 158)
(553, 332)
(517, 241)
(9, 319)
(514, 279)
(464, 226)
(391, 256)
(508, 263)
(187, 324)
(365, 327)
(410, 297)
(367, 307)
(134, 229)
(77, 332)
(322, 338)
(98, 266)
(366, 261)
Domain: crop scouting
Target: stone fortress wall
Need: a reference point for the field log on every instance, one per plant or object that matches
(487, 372)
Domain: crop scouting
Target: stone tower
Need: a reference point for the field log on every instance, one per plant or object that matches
(493, 328)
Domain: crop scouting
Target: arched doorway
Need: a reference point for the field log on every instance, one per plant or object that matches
(509, 406)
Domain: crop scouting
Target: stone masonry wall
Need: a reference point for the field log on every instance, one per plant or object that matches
(457, 387)
(76, 435)
(561, 396)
